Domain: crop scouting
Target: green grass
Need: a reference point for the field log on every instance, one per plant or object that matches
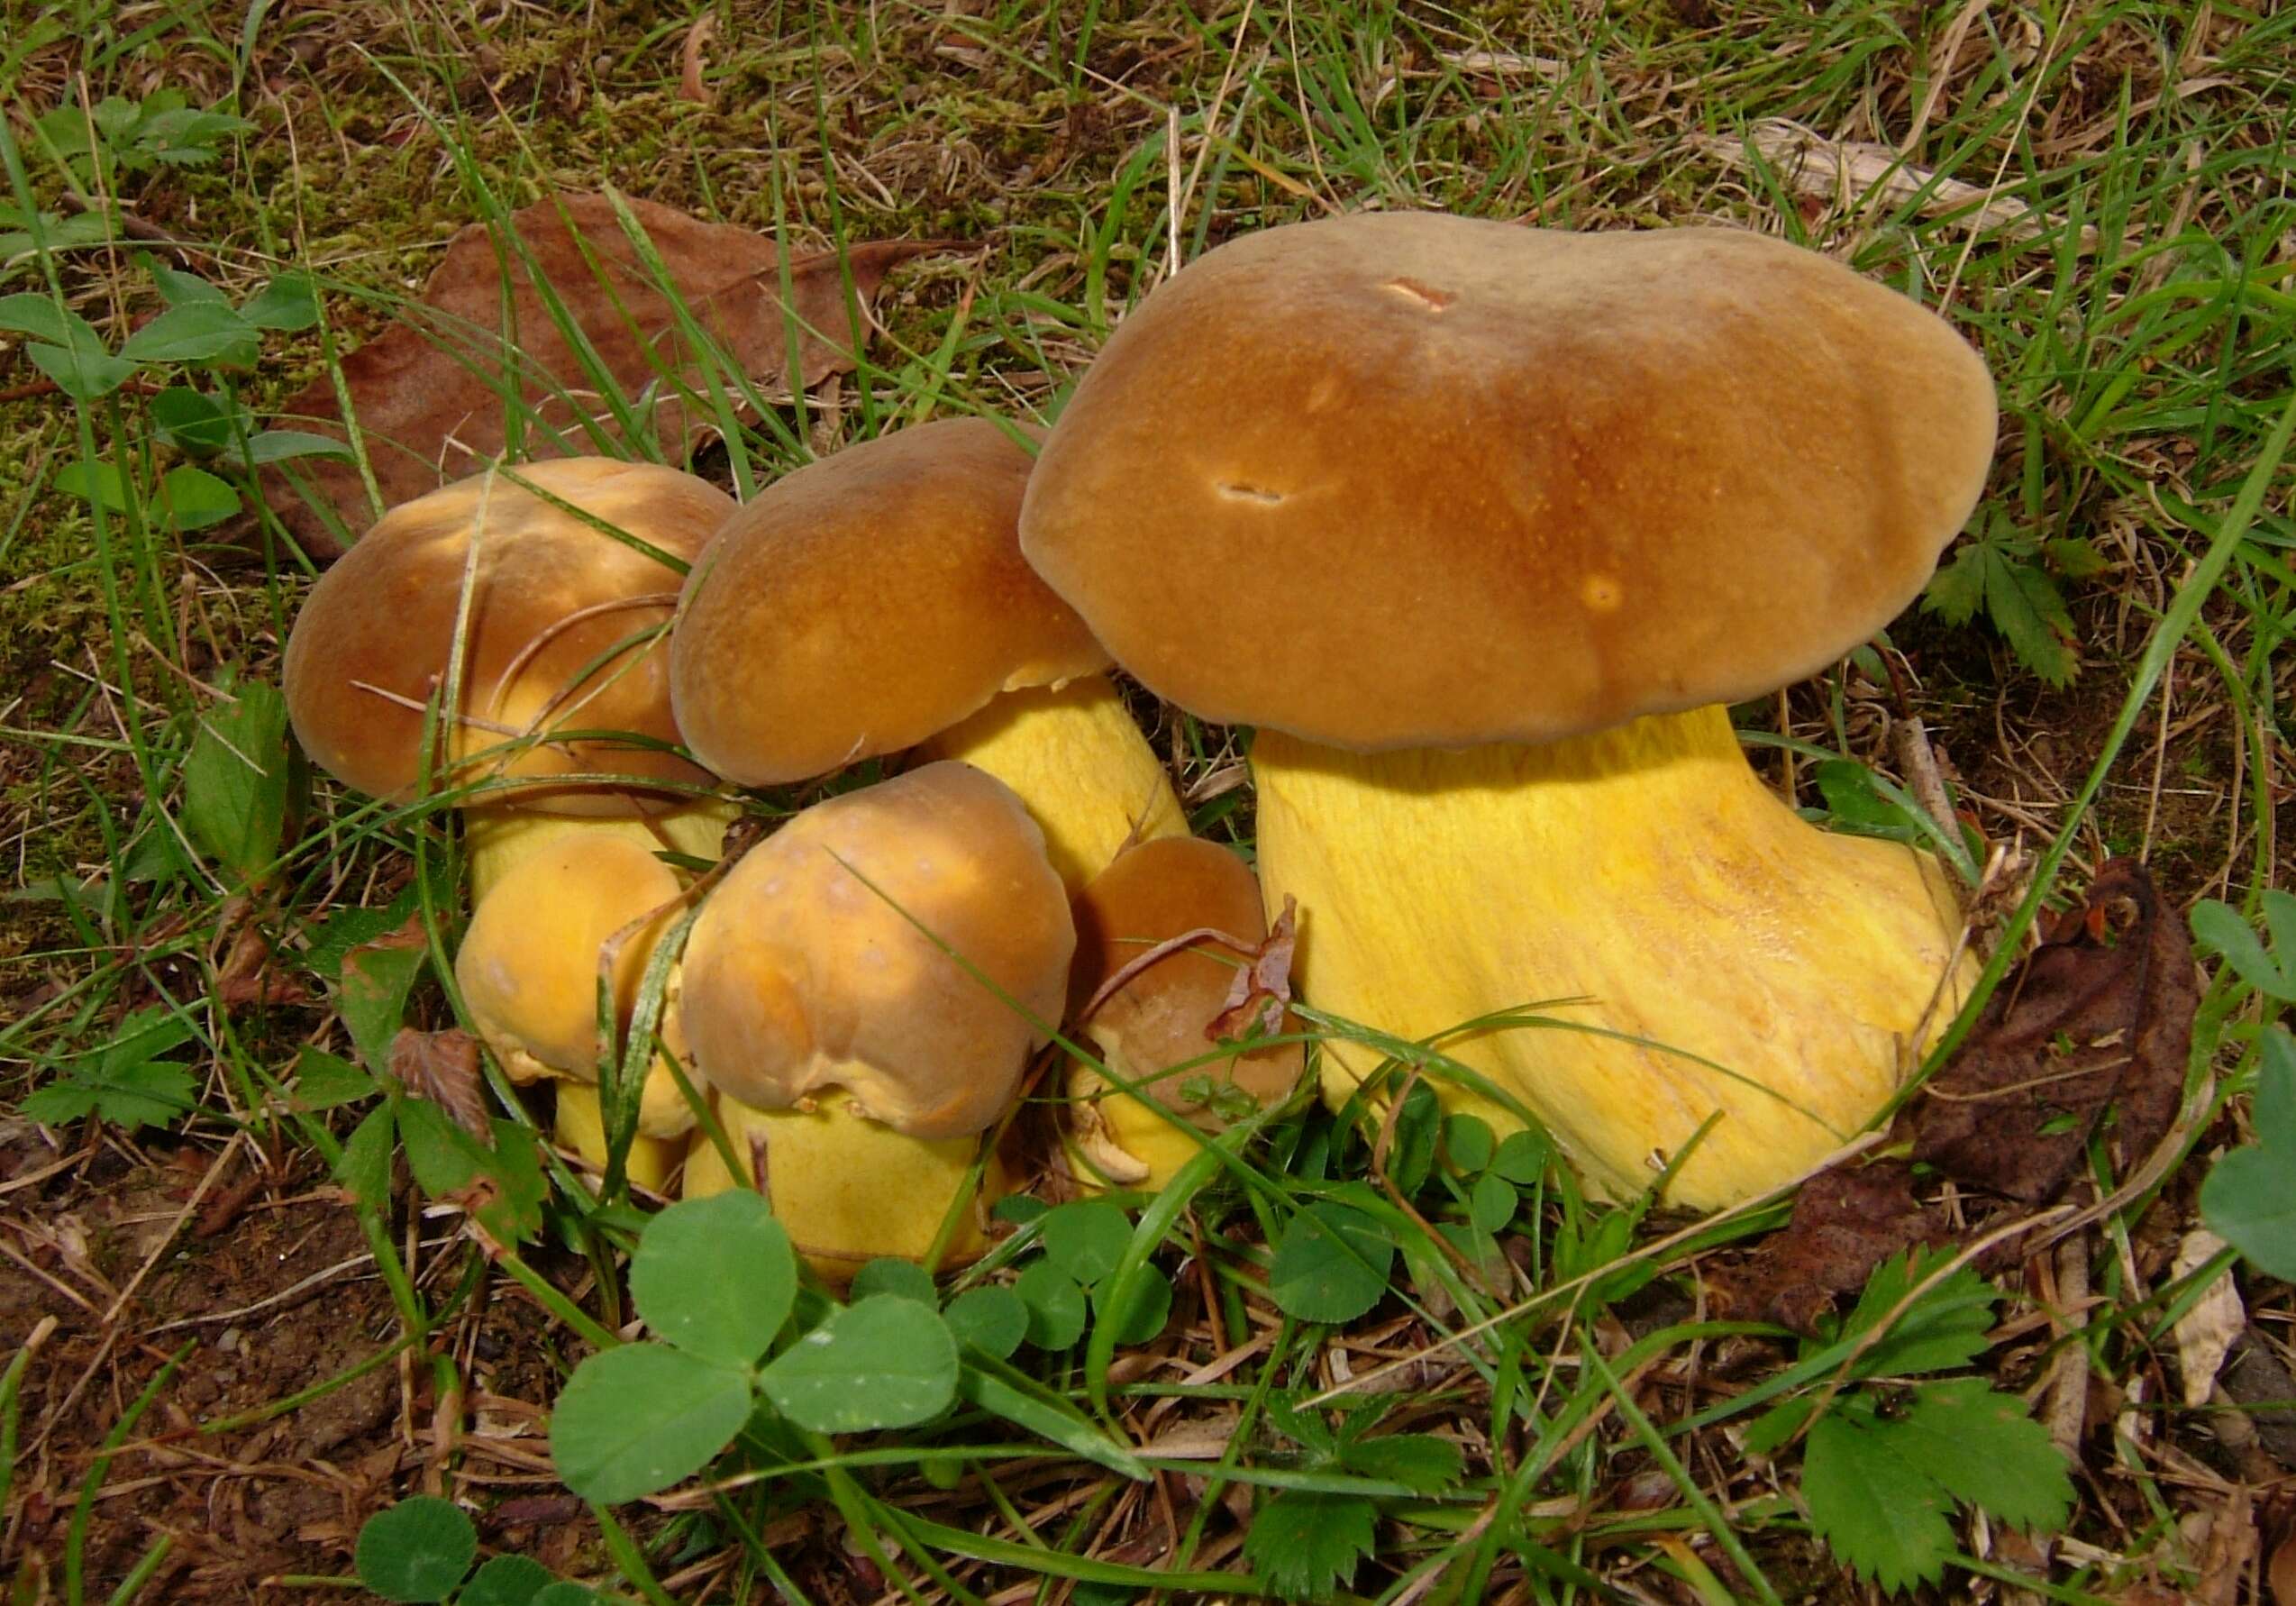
(2140, 335)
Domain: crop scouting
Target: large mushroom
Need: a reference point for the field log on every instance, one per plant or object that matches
(1483, 527)
(875, 602)
(1162, 936)
(863, 990)
(568, 596)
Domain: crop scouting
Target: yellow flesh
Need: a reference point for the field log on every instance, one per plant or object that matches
(1119, 1140)
(1122, 1142)
(850, 1189)
(580, 1127)
(1077, 761)
(1648, 867)
(495, 838)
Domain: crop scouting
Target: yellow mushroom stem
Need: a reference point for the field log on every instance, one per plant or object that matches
(581, 1126)
(495, 838)
(1792, 975)
(1121, 1140)
(664, 1118)
(1074, 756)
(851, 1190)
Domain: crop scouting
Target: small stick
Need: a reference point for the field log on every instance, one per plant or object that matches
(140, 228)
(2068, 1411)
(1164, 950)
(1919, 761)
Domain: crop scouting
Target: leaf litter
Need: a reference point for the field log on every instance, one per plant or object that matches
(429, 393)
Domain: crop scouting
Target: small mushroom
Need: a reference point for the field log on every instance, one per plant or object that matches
(1484, 526)
(864, 989)
(1153, 1028)
(877, 601)
(528, 969)
(563, 634)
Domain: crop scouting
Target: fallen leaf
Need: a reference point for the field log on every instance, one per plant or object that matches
(2205, 1333)
(427, 393)
(1263, 989)
(2097, 1020)
(249, 975)
(227, 1204)
(1848, 173)
(443, 1068)
(2231, 1546)
(2100, 1017)
(1845, 1222)
(2283, 1573)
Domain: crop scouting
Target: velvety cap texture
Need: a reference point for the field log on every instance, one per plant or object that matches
(808, 970)
(866, 602)
(556, 605)
(1400, 480)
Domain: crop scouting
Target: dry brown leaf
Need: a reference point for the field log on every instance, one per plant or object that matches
(1845, 1222)
(1843, 173)
(1199, 1440)
(2282, 1572)
(2230, 1547)
(2205, 1333)
(250, 976)
(425, 391)
(2098, 1017)
(1263, 990)
(2097, 1020)
(443, 1067)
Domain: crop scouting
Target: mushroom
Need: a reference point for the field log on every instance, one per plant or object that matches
(877, 601)
(1153, 1028)
(864, 989)
(529, 972)
(1483, 526)
(564, 622)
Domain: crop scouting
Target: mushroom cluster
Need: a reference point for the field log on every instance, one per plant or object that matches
(1481, 527)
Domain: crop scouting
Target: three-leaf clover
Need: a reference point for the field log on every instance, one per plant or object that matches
(417, 1551)
(1331, 1265)
(1084, 1243)
(716, 1279)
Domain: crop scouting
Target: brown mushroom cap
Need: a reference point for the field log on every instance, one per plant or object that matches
(384, 617)
(1155, 891)
(1416, 480)
(801, 975)
(866, 602)
(528, 966)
